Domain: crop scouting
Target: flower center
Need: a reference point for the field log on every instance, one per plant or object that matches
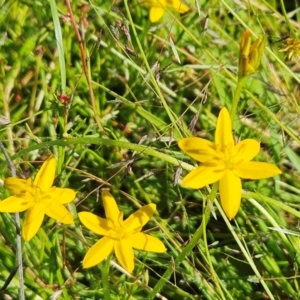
(36, 193)
(227, 155)
(118, 230)
(120, 233)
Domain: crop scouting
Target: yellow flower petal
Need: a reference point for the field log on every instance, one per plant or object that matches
(139, 218)
(45, 176)
(256, 52)
(15, 204)
(98, 252)
(203, 176)
(58, 212)
(246, 150)
(245, 43)
(178, 6)
(147, 242)
(94, 223)
(230, 193)
(223, 134)
(110, 206)
(255, 170)
(33, 221)
(63, 195)
(199, 149)
(124, 254)
(15, 185)
(156, 13)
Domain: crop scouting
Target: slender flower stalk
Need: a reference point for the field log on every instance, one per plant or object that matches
(225, 162)
(236, 98)
(159, 7)
(18, 237)
(120, 236)
(38, 198)
(182, 255)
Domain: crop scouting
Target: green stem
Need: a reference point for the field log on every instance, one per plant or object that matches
(212, 270)
(275, 203)
(59, 43)
(287, 21)
(18, 230)
(186, 251)
(151, 75)
(245, 252)
(237, 94)
(155, 121)
(105, 278)
(99, 141)
(272, 116)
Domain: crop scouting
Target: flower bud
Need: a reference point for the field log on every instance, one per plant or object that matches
(250, 55)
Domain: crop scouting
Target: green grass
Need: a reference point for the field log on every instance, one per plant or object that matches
(135, 88)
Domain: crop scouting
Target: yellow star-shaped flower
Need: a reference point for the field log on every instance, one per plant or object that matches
(226, 162)
(119, 236)
(159, 7)
(38, 198)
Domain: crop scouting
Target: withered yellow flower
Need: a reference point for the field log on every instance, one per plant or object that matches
(250, 55)
(292, 48)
